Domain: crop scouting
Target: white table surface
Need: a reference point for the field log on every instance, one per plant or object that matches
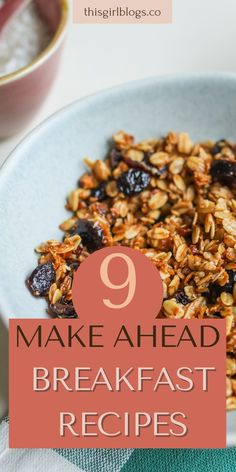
(201, 39)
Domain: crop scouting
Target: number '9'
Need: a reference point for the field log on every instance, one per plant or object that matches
(130, 281)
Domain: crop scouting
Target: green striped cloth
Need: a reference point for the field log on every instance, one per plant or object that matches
(113, 460)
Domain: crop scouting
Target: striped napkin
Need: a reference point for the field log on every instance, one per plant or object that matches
(113, 460)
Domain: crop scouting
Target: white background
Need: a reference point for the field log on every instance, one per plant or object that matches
(202, 38)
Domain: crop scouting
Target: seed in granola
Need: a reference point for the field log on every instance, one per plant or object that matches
(182, 298)
(224, 171)
(91, 234)
(41, 279)
(133, 182)
(100, 192)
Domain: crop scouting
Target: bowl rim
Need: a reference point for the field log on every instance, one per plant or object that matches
(16, 154)
(106, 93)
(42, 57)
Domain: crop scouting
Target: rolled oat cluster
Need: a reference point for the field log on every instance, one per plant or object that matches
(174, 201)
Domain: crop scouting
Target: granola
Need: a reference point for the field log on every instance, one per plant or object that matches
(171, 199)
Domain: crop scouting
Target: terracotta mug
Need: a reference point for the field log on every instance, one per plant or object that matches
(23, 92)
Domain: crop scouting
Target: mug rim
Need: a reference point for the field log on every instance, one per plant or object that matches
(44, 55)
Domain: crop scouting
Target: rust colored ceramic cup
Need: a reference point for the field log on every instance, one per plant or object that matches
(23, 92)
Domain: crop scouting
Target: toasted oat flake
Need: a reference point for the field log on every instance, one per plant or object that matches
(159, 159)
(229, 224)
(177, 165)
(184, 143)
(135, 155)
(179, 182)
(101, 170)
(227, 299)
(157, 200)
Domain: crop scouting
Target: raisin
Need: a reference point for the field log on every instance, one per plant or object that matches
(161, 218)
(133, 181)
(63, 309)
(231, 355)
(230, 284)
(41, 279)
(218, 146)
(213, 293)
(182, 298)
(91, 234)
(100, 192)
(217, 314)
(73, 265)
(224, 171)
(215, 290)
(115, 157)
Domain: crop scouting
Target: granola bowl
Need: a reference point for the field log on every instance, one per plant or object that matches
(169, 196)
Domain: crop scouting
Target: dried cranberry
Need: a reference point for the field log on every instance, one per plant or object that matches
(41, 279)
(91, 234)
(63, 309)
(224, 171)
(133, 181)
(182, 298)
(100, 192)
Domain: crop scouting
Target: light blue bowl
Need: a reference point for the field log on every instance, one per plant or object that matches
(43, 169)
